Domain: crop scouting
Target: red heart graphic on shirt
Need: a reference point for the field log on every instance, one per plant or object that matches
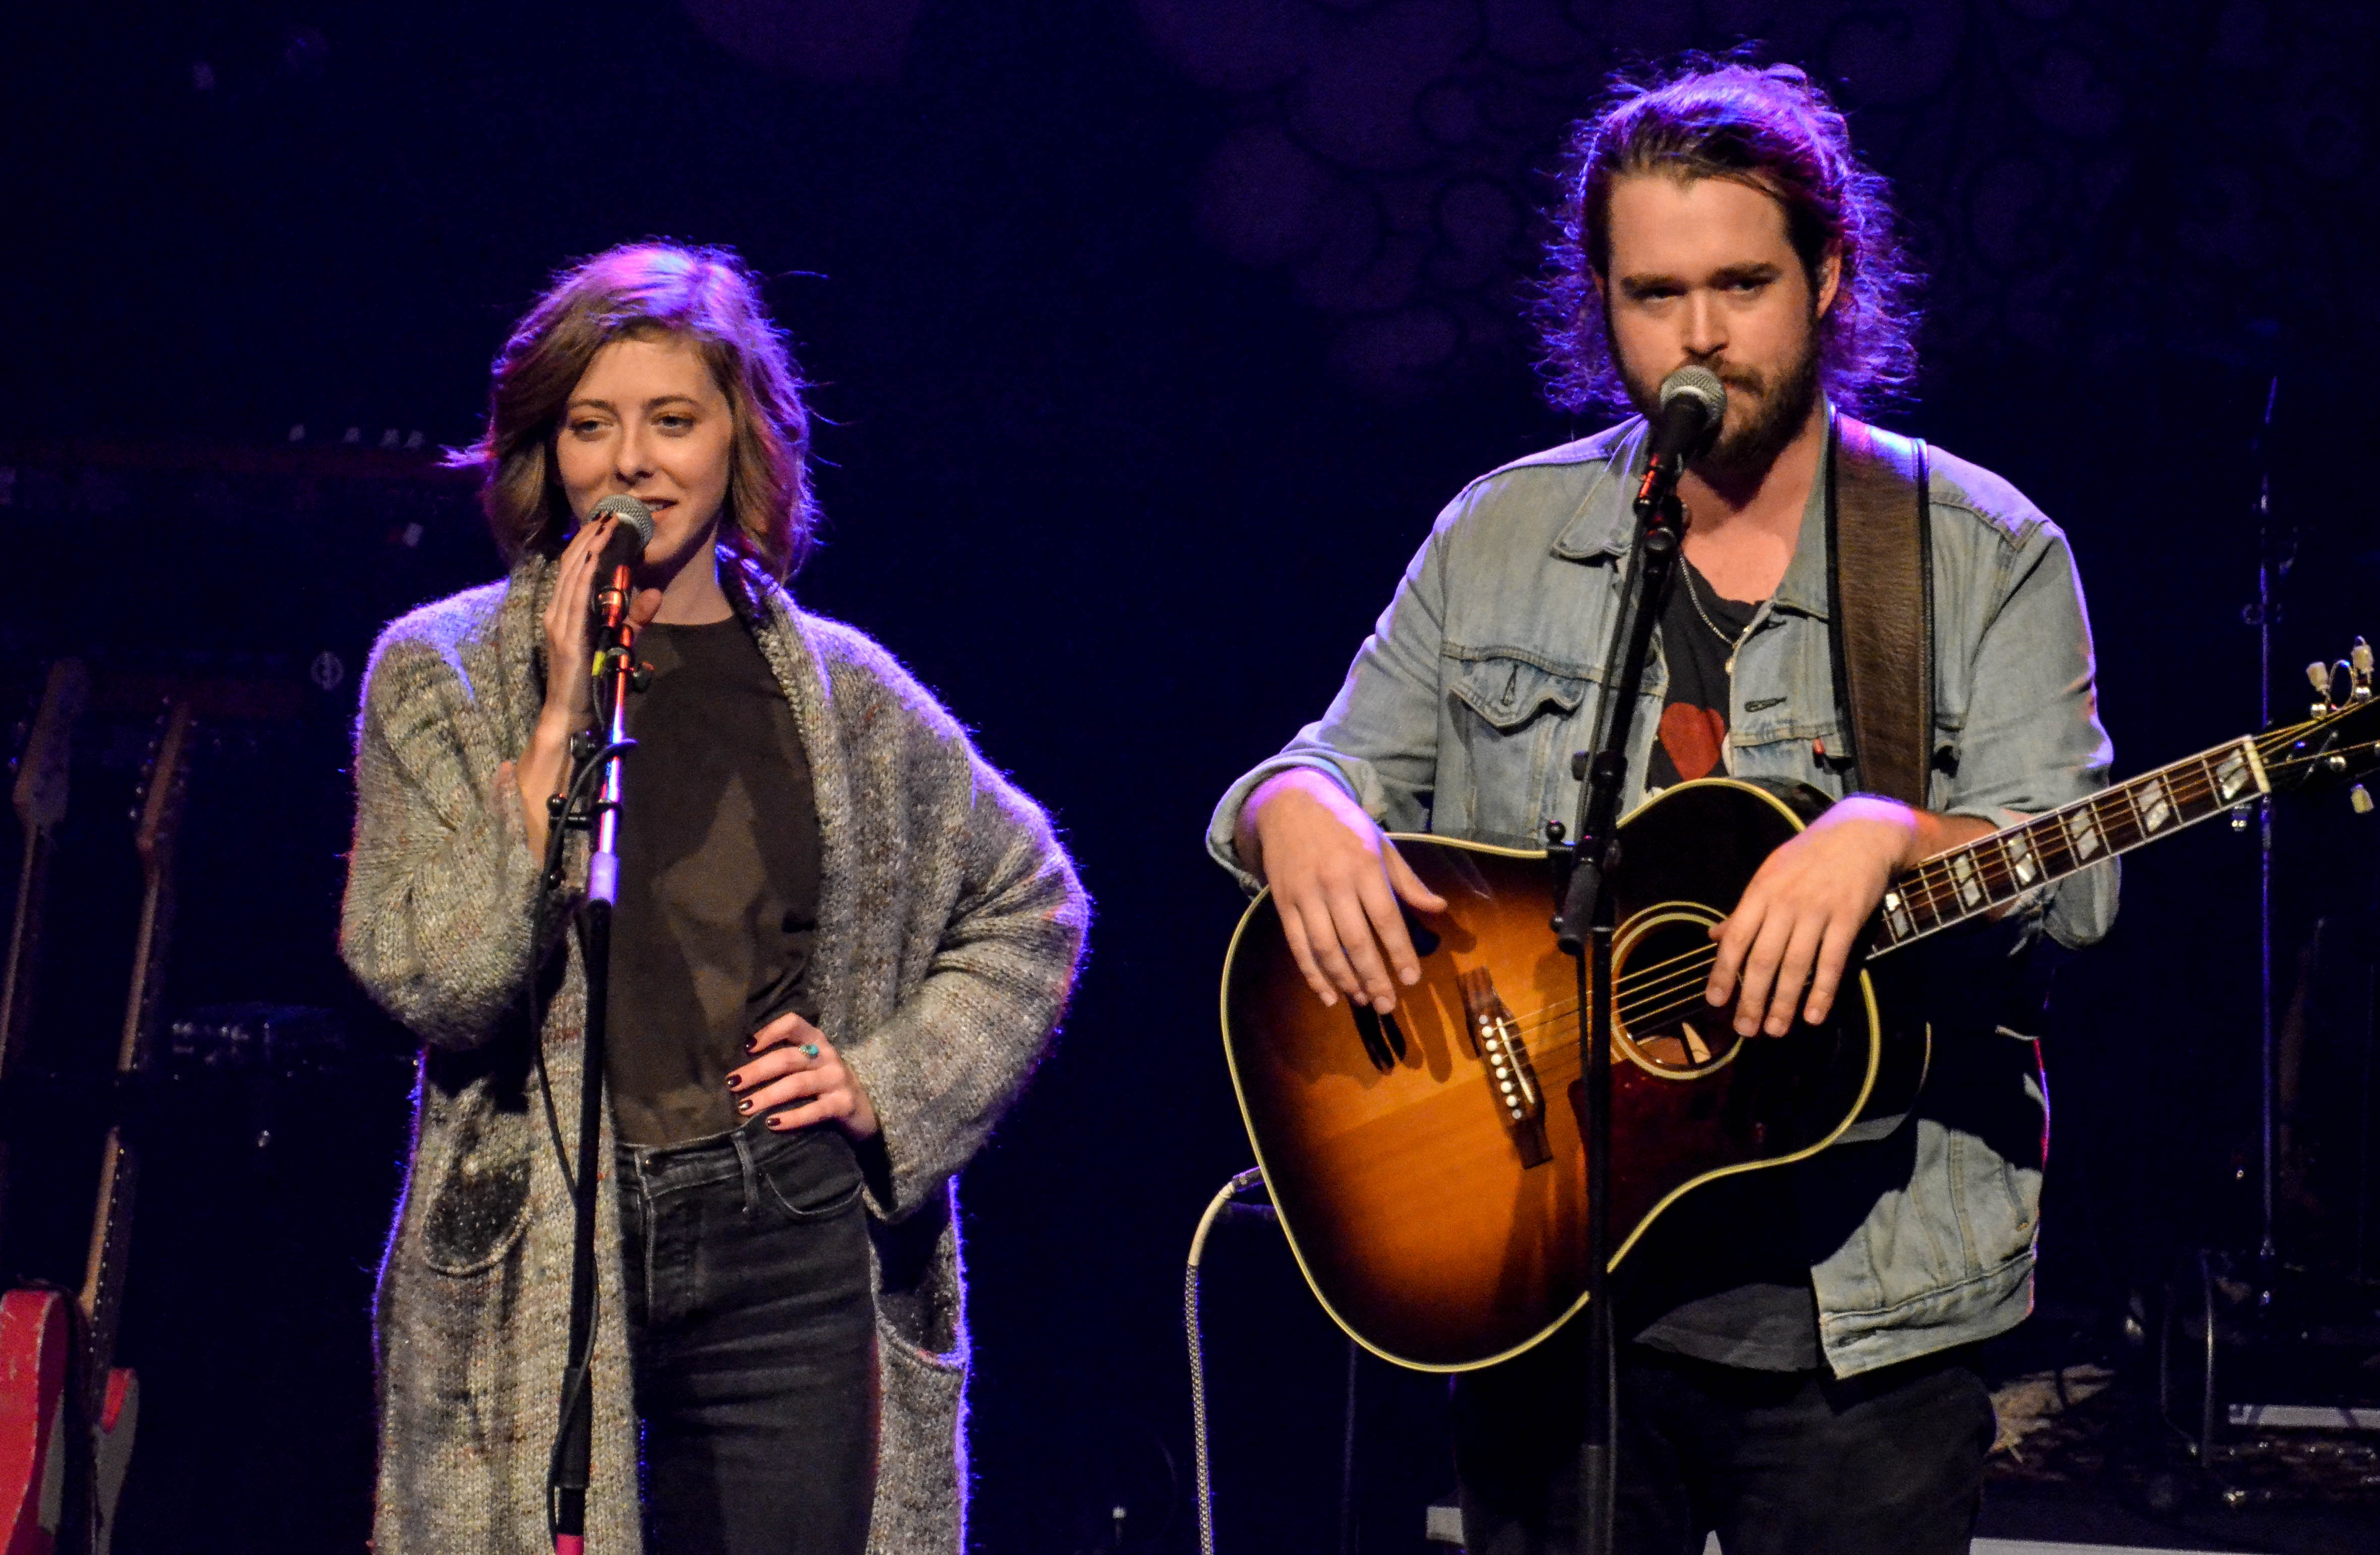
(1694, 738)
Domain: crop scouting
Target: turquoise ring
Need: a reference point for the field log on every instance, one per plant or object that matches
(809, 1049)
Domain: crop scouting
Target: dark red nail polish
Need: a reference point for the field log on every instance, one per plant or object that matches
(744, 1106)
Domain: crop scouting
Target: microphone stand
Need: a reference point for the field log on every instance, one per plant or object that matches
(1584, 929)
(616, 674)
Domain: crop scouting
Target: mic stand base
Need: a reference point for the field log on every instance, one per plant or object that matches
(573, 1468)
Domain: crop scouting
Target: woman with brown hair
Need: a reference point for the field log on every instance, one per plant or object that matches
(840, 943)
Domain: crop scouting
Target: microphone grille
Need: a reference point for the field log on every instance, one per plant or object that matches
(638, 519)
(1696, 383)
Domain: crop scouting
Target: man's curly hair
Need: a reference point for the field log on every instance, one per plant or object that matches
(1775, 130)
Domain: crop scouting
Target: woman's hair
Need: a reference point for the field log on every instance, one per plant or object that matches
(646, 291)
(1777, 132)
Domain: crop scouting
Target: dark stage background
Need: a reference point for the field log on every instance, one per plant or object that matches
(1148, 337)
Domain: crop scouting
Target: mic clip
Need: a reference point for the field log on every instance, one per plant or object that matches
(1655, 495)
(608, 662)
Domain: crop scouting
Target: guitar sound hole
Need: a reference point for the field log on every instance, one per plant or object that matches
(1661, 965)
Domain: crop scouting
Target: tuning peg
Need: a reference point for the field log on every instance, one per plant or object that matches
(2359, 669)
(2359, 799)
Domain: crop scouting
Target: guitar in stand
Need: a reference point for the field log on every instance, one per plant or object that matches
(36, 1334)
(109, 1395)
(1427, 1165)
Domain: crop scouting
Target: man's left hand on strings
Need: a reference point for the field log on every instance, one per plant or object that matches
(1802, 915)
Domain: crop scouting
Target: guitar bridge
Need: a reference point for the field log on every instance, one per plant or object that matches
(1496, 1037)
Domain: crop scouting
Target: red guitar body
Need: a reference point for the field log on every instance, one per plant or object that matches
(36, 1355)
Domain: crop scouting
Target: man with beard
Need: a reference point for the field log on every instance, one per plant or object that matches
(1794, 1342)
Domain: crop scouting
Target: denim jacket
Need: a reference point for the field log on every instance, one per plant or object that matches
(1460, 714)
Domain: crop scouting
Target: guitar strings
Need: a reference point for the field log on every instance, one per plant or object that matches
(1631, 982)
(1938, 877)
(1655, 997)
(1659, 989)
(1665, 989)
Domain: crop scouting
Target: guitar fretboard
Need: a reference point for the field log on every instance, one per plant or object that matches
(1951, 887)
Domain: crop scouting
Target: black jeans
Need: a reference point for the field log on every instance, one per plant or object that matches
(1891, 1462)
(753, 1333)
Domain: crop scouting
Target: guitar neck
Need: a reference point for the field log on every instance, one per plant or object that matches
(101, 1300)
(1972, 880)
(101, 1296)
(39, 798)
(24, 945)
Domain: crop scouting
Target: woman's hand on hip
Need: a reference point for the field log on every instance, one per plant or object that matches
(798, 1079)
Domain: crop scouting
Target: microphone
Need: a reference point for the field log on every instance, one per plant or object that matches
(1693, 403)
(629, 536)
(609, 599)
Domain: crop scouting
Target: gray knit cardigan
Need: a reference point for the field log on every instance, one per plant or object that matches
(950, 927)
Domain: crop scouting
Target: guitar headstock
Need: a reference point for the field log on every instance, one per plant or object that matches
(40, 792)
(163, 783)
(2340, 738)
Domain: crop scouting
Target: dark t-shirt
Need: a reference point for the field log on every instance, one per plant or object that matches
(1721, 1276)
(719, 880)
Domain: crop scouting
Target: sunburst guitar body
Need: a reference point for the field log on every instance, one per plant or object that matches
(1429, 1166)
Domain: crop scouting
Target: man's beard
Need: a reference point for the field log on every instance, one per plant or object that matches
(1766, 413)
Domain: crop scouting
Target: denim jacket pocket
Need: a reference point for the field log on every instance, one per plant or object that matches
(1789, 749)
(1510, 711)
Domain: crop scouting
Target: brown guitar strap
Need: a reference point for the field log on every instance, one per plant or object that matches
(1881, 577)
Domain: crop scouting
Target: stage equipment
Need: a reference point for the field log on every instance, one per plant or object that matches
(2252, 1342)
(1243, 1199)
(36, 1332)
(595, 763)
(1693, 404)
(67, 1410)
(2275, 554)
(110, 1395)
(268, 1042)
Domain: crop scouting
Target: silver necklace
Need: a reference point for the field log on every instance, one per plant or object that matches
(1694, 597)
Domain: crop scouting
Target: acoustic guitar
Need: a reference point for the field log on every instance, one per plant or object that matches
(1427, 1165)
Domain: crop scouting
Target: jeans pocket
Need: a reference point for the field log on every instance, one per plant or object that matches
(810, 1174)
